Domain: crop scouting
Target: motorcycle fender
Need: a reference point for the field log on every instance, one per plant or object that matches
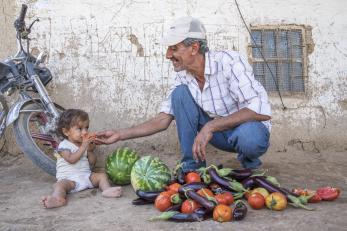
(14, 111)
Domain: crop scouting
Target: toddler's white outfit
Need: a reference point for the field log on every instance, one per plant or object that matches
(78, 172)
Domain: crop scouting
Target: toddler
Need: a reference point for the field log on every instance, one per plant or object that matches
(75, 156)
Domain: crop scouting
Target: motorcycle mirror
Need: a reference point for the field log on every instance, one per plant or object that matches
(41, 58)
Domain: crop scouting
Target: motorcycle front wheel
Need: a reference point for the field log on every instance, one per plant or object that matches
(34, 139)
(3, 114)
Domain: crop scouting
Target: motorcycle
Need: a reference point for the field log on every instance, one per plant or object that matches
(34, 115)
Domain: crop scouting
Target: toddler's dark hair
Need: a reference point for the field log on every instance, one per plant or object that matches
(69, 118)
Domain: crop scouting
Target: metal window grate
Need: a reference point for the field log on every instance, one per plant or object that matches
(283, 51)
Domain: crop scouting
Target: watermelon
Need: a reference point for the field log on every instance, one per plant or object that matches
(119, 165)
(150, 174)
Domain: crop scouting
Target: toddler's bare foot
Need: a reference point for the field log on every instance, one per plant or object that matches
(112, 192)
(53, 202)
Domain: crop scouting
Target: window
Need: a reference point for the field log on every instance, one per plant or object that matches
(284, 51)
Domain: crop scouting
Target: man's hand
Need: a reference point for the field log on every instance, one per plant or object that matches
(107, 137)
(200, 143)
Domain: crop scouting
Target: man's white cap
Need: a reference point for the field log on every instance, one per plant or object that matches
(182, 28)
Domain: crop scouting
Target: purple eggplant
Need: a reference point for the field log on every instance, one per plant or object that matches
(191, 186)
(141, 201)
(249, 183)
(183, 217)
(292, 197)
(149, 196)
(240, 174)
(204, 202)
(179, 176)
(260, 181)
(240, 210)
(232, 186)
(176, 207)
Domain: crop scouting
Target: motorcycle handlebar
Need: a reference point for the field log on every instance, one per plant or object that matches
(23, 12)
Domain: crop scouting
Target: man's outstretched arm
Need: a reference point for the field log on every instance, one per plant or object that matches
(159, 123)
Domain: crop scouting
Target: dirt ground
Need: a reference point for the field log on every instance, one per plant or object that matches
(22, 185)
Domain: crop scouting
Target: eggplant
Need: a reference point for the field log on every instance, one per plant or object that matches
(292, 197)
(141, 201)
(176, 207)
(179, 176)
(149, 196)
(191, 186)
(260, 181)
(232, 186)
(240, 211)
(249, 183)
(180, 217)
(204, 202)
(240, 174)
(183, 217)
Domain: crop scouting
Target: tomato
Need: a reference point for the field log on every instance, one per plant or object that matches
(167, 193)
(225, 198)
(276, 201)
(173, 187)
(192, 177)
(315, 198)
(262, 191)
(328, 193)
(162, 202)
(189, 206)
(222, 213)
(205, 192)
(256, 200)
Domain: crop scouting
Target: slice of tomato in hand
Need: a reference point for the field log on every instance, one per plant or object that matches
(328, 193)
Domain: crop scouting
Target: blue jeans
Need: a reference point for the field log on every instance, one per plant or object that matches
(250, 140)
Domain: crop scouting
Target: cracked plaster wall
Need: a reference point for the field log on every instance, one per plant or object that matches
(106, 59)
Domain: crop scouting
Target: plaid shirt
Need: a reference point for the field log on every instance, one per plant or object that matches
(229, 87)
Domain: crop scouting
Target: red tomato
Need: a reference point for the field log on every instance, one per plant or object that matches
(205, 192)
(328, 193)
(256, 200)
(225, 198)
(229, 197)
(222, 213)
(167, 193)
(315, 199)
(173, 187)
(189, 206)
(192, 177)
(162, 202)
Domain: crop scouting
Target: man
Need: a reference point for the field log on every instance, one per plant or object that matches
(215, 99)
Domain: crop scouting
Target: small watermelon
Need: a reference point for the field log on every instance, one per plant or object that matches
(150, 174)
(119, 165)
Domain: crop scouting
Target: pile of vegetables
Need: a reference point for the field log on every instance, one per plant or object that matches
(217, 193)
